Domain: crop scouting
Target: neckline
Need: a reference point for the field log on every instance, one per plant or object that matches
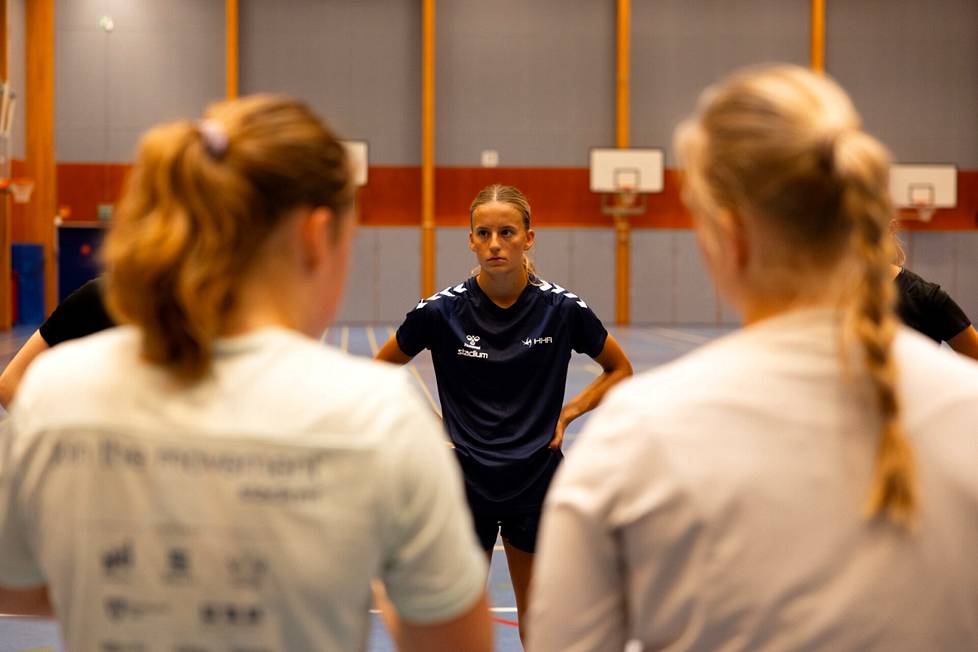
(521, 299)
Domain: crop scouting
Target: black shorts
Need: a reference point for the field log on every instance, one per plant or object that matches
(519, 529)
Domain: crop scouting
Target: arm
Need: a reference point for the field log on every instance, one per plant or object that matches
(12, 375)
(583, 610)
(470, 631)
(616, 368)
(392, 353)
(965, 342)
(33, 601)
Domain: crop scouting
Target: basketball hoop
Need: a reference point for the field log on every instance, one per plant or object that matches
(20, 189)
(624, 202)
(925, 211)
(921, 196)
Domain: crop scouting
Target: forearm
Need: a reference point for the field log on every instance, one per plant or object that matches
(14, 372)
(26, 602)
(591, 396)
(391, 352)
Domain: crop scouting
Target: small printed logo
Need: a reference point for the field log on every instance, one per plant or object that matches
(539, 340)
(122, 646)
(247, 570)
(118, 608)
(231, 614)
(117, 561)
(177, 565)
(471, 348)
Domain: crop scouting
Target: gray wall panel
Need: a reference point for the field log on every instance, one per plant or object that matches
(360, 293)
(592, 259)
(696, 300)
(552, 254)
(932, 256)
(911, 67)
(966, 289)
(652, 276)
(399, 271)
(679, 47)
(533, 80)
(357, 63)
(162, 61)
(16, 67)
(453, 259)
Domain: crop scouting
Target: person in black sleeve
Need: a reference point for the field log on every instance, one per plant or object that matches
(926, 307)
(81, 313)
(501, 342)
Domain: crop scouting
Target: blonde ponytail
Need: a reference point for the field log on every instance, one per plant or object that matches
(860, 164)
(199, 204)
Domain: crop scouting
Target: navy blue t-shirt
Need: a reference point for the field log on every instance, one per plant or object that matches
(501, 374)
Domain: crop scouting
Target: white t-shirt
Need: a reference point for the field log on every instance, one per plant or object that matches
(717, 504)
(248, 512)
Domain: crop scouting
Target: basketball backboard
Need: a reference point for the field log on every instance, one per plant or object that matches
(915, 186)
(357, 150)
(637, 170)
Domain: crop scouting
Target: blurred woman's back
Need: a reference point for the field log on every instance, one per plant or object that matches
(210, 476)
(806, 482)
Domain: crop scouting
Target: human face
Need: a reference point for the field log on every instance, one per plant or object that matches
(499, 238)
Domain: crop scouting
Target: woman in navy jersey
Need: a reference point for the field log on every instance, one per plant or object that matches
(501, 342)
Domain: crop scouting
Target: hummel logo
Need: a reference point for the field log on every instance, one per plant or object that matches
(540, 340)
(472, 348)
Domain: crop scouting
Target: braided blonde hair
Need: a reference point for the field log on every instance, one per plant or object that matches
(783, 147)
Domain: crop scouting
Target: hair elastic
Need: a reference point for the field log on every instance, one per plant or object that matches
(215, 137)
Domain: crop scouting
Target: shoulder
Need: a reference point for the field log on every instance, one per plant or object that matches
(916, 286)
(928, 371)
(80, 366)
(557, 295)
(443, 299)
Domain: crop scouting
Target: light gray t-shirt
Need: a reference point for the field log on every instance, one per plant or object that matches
(717, 504)
(248, 512)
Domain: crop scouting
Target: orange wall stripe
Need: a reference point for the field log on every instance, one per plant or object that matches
(560, 196)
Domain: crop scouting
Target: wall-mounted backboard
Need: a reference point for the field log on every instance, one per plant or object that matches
(924, 185)
(357, 150)
(639, 170)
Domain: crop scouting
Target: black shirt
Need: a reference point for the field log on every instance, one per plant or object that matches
(501, 376)
(81, 313)
(925, 307)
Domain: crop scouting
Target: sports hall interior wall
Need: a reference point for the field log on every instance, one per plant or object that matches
(534, 81)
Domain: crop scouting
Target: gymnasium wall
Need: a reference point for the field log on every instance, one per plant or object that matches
(535, 82)
(162, 61)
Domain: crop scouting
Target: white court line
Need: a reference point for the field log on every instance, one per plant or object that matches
(372, 339)
(345, 339)
(322, 340)
(679, 335)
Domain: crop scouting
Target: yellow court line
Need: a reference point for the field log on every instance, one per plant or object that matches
(417, 376)
(345, 339)
(372, 339)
